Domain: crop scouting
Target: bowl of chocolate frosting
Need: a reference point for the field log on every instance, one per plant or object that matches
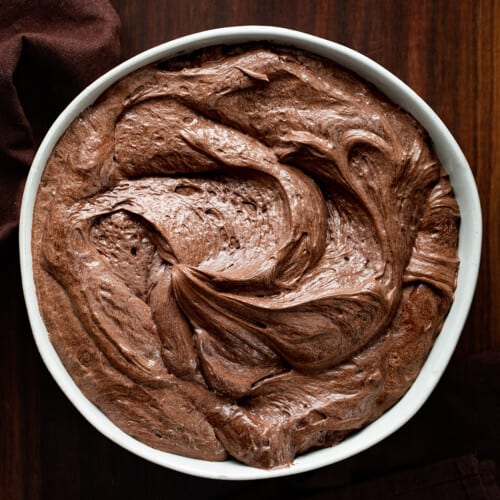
(248, 252)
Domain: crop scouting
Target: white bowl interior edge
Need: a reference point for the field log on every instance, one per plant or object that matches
(469, 250)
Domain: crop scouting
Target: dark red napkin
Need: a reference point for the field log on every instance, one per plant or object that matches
(49, 51)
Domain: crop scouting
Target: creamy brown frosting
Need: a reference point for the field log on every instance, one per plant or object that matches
(246, 252)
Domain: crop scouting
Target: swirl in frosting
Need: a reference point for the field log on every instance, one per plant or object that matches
(248, 252)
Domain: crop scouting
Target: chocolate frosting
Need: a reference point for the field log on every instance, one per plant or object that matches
(246, 252)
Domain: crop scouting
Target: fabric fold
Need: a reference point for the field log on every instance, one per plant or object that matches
(49, 51)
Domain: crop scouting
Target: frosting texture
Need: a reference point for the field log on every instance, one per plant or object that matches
(247, 252)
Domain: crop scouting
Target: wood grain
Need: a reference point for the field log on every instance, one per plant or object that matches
(447, 51)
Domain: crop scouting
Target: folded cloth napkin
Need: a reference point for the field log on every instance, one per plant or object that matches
(49, 51)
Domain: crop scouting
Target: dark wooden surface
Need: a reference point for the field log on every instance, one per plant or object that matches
(447, 51)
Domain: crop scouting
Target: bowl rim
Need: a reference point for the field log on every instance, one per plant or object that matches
(470, 236)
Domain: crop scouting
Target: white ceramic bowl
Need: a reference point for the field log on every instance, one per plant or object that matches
(452, 159)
